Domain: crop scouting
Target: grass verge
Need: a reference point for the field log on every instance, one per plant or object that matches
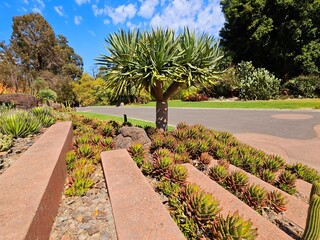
(268, 104)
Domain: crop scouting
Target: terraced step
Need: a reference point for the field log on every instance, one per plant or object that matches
(31, 189)
(297, 210)
(230, 203)
(138, 211)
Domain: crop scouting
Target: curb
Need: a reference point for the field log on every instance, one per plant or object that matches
(31, 189)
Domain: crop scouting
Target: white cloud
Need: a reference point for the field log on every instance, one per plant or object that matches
(99, 11)
(106, 21)
(35, 5)
(59, 10)
(77, 20)
(25, 1)
(194, 14)
(147, 8)
(80, 2)
(121, 13)
(92, 33)
(7, 5)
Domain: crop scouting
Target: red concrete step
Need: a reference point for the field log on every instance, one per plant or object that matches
(304, 188)
(230, 203)
(31, 189)
(297, 210)
(138, 211)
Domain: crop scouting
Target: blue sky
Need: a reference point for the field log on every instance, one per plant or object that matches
(86, 23)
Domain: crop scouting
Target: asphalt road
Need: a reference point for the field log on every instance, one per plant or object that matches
(231, 120)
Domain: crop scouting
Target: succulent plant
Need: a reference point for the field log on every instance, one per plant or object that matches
(107, 130)
(268, 176)
(136, 150)
(107, 143)
(224, 162)
(192, 132)
(277, 201)
(315, 189)
(147, 167)
(233, 227)
(85, 150)
(218, 173)
(182, 125)
(249, 164)
(237, 181)
(168, 188)
(203, 146)
(286, 182)
(255, 196)
(273, 163)
(192, 147)
(71, 157)
(162, 152)
(180, 148)
(205, 158)
(79, 186)
(6, 142)
(312, 230)
(157, 141)
(180, 134)
(95, 139)
(179, 173)
(83, 139)
(202, 207)
(181, 157)
(304, 172)
(191, 189)
(170, 142)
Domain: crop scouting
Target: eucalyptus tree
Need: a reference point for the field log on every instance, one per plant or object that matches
(159, 61)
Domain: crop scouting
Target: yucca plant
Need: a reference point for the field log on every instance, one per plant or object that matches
(178, 173)
(277, 201)
(205, 158)
(286, 182)
(237, 181)
(268, 175)
(255, 196)
(218, 173)
(233, 227)
(85, 150)
(202, 207)
(19, 123)
(6, 142)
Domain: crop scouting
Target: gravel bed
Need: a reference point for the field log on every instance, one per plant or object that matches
(20, 145)
(86, 217)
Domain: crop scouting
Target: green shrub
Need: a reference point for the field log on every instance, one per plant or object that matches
(19, 123)
(303, 86)
(193, 95)
(256, 84)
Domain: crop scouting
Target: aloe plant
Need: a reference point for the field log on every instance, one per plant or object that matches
(237, 181)
(255, 196)
(277, 201)
(268, 176)
(85, 150)
(179, 173)
(233, 227)
(205, 158)
(286, 182)
(6, 142)
(218, 173)
(147, 167)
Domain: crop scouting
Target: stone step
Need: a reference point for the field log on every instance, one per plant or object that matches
(230, 204)
(31, 189)
(304, 188)
(297, 210)
(138, 211)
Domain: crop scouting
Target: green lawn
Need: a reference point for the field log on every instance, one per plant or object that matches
(271, 104)
(119, 119)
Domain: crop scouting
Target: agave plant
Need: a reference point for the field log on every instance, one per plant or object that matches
(286, 182)
(205, 158)
(178, 173)
(85, 150)
(268, 175)
(273, 163)
(277, 201)
(233, 227)
(147, 167)
(202, 207)
(255, 196)
(181, 157)
(237, 181)
(19, 123)
(170, 142)
(218, 173)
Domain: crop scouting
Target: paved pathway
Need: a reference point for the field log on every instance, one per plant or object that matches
(290, 133)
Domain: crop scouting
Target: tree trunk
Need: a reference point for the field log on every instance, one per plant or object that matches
(162, 115)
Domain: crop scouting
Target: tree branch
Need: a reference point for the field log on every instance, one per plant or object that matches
(172, 89)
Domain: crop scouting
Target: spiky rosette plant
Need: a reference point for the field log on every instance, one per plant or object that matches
(168, 188)
(180, 134)
(233, 227)
(95, 139)
(312, 230)
(249, 163)
(255, 196)
(218, 173)
(147, 167)
(286, 182)
(82, 139)
(181, 157)
(162, 152)
(192, 147)
(180, 148)
(71, 157)
(6, 142)
(202, 207)
(157, 141)
(203, 146)
(273, 163)
(277, 201)
(224, 162)
(304, 172)
(170, 142)
(182, 125)
(107, 143)
(205, 158)
(268, 176)
(178, 173)
(237, 181)
(107, 130)
(85, 150)
(137, 153)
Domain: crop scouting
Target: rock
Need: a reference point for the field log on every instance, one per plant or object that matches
(85, 226)
(66, 237)
(92, 230)
(20, 100)
(131, 135)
